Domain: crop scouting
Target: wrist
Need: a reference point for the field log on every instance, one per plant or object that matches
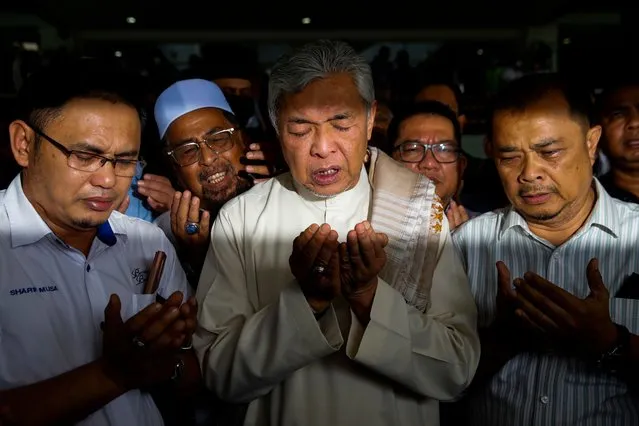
(609, 340)
(615, 357)
(362, 293)
(318, 306)
(114, 375)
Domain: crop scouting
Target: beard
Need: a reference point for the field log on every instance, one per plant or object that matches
(214, 197)
(86, 223)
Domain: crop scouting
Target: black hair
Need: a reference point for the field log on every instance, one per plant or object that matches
(622, 81)
(45, 93)
(526, 91)
(419, 108)
(435, 80)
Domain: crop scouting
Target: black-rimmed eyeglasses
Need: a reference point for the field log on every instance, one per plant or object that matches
(415, 152)
(191, 152)
(85, 161)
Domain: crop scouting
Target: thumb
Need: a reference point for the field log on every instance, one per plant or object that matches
(112, 311)
(595, 282)
(382, 238)
(503, 279)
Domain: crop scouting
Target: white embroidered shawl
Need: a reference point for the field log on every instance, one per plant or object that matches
(406, 208)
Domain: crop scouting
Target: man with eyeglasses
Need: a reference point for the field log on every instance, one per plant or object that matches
(206, 147)
(81, 339)
(426, 138)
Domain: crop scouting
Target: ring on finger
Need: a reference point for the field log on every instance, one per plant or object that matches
(192, 228)
(319, 269)
(138, 342)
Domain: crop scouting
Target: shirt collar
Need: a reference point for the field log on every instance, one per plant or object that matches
(27, 227)
(361, 190)
(604, 215)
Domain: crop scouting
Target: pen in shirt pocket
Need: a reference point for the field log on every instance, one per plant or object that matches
(155, 276)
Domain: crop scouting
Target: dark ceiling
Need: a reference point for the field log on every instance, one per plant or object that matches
(70, 15)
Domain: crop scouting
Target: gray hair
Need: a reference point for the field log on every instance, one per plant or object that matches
(316, 60)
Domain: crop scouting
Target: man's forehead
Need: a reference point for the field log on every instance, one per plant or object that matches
(534, 125)
(426, 126)
(97, 125)
(626, 96)
(327, 94)
(95, 116)
(194, 123)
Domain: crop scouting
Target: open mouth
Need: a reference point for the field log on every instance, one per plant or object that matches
(216, 178)
(326, 176)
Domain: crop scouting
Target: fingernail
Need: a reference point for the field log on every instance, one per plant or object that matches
(254, 146)
(367, 225)
(157, 306)
(249, 155)
(250, 169)
(186, 194)
(177, 195)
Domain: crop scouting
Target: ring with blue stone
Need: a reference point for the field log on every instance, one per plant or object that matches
(192, 228)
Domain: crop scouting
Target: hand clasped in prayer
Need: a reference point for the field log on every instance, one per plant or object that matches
(559, 315)
(349, 268)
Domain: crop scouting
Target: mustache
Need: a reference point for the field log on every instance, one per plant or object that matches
(536, 189)
(227, 168)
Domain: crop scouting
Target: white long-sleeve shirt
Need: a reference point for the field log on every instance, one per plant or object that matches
(258, 340)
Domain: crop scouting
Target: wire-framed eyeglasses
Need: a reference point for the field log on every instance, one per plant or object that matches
(415, 152)
(191, 152)
(86, 161)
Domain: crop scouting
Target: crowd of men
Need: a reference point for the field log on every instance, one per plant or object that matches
(357, 287)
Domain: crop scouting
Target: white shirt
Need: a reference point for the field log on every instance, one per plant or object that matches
(52, 298)
(259, 342)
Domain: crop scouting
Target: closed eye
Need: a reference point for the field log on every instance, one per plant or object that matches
(508, 159)
(298, 134)
(551, 153)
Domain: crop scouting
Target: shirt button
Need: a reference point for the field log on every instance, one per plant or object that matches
(544, 399)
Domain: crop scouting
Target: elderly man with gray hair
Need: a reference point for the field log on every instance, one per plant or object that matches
(332, 295)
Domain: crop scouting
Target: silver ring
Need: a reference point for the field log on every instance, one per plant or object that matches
(192, 228)
(139, 343)
(319, 269)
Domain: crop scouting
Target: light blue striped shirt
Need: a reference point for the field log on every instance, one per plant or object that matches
(546, 389)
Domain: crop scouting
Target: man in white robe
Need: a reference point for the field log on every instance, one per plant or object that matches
(334, 324)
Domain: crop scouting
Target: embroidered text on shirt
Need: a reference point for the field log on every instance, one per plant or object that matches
(27, 290)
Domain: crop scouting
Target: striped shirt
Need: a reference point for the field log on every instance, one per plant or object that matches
(546, 389)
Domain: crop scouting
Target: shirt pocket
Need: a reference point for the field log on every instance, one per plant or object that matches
(625, 312)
